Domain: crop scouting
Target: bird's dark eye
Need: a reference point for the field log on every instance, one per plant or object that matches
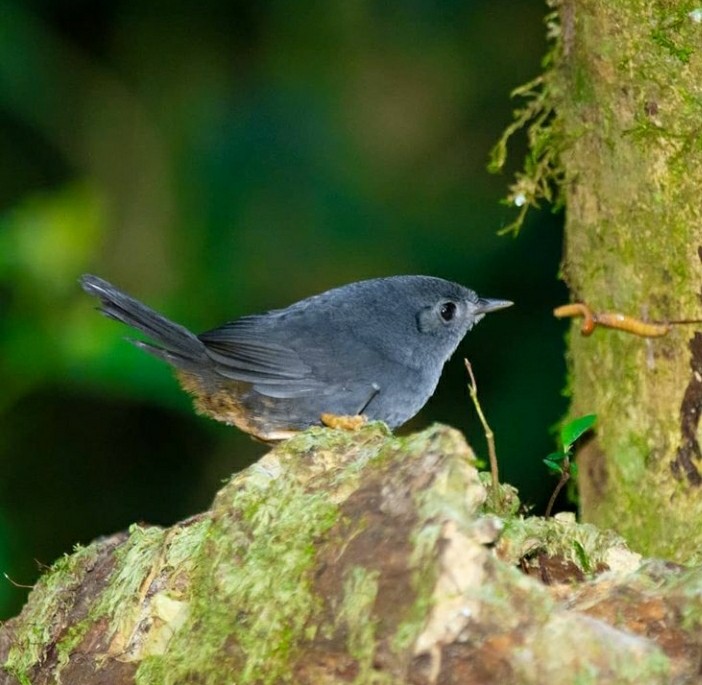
(447, 311)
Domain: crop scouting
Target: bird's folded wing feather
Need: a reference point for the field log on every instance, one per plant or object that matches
(243, 352)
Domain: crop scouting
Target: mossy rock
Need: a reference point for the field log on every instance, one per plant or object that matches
(354, 557)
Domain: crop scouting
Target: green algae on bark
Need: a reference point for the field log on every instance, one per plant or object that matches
(616, 114)
(633, 235)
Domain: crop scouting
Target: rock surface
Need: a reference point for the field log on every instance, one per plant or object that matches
(358, 558)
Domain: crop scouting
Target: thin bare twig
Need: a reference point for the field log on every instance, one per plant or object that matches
(489, 435)
(16, 584)
(622, 322)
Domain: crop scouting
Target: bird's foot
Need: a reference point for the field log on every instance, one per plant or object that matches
(347, 423)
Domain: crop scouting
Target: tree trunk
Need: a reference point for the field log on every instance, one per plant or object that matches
(626, 90)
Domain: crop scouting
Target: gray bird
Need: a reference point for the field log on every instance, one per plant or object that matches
(374, 348)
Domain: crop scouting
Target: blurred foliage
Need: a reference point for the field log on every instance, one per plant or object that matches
(221, 158)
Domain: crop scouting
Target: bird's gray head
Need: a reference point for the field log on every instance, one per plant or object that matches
(419, 320)
(453, 310)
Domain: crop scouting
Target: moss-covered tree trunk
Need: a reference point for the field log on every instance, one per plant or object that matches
(626, 86)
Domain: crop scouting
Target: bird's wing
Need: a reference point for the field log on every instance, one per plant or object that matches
(246, 350)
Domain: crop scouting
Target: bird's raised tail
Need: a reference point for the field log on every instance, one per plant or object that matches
(176, 344)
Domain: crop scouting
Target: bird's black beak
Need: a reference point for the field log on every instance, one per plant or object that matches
(486, 305)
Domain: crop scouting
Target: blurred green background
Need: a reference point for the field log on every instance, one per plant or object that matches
(221, 158)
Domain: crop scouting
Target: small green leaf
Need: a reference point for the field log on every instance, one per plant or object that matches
(582, 556)
(575, 428)
(556, 456)
(573, 469)
(552, 465)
